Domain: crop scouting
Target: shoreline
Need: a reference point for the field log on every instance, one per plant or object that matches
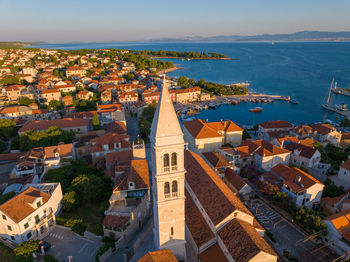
(164, 71)
(194, 58)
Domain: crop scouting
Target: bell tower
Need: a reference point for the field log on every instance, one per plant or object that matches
(168, 177)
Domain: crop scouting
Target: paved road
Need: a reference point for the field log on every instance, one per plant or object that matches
(287, 235)
(132, 127)
(66, 243)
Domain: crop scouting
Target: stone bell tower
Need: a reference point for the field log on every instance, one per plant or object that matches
(168, 177)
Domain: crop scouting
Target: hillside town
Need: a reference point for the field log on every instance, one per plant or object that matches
(97, 166)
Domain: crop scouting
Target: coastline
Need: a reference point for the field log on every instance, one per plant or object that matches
(164, 71)
(194, 58)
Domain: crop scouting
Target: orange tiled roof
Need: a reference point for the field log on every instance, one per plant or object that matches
(18, 207)
(213, 194)
(213, 253)
(163, 255)
(62, 123)
(138, 173)
(245, 243)
(196, 223)
(276, 124)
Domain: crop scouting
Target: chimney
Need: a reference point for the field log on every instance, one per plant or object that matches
(298, 179)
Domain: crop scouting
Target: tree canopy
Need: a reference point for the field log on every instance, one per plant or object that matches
(50, 137)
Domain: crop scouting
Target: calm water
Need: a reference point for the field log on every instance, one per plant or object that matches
(303, 71)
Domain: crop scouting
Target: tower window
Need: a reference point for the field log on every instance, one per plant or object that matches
(166, 190)
(174, 188)
(166, 162)
(172, 231)
(173, 161)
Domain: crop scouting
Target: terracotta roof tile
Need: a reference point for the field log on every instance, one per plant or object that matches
(19, 207)
(276, 124)
(216, 159)
(245, 243)
(234, 179)
(196, 223)
(164, 255)
(216, 198)
(213, 253)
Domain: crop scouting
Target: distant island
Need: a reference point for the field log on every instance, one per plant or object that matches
(298, 36)
(185, 55)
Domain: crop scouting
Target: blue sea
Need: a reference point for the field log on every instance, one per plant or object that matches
(302, 70)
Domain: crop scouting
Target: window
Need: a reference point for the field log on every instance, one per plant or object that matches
(29, 235)
(37, 219)
(26, 225)
(173, 161)
(166, 190)
(174, 188)
(9, 228)
(3, 217)
(12, 237)
(38, 204)
(172, 231)
(166, 162)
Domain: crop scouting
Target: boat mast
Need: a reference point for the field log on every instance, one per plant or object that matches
(330, 91)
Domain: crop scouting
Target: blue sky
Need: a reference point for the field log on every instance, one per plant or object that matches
(128, 20)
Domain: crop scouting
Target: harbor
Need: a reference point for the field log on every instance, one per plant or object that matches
(186, 111)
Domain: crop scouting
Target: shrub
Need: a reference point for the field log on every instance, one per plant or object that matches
(69, 201)
(77, 225)
(26, 249)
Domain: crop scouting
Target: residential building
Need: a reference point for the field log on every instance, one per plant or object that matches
(274, 129)
(130, 200)
(237, 184)
(338, 237)
(50, 94)
(128, 98)
(56, 156)
(343, 178)
(304, 189)
(325, 133)
(31, 214)
(85, 95)
(79, 126)
(262, 154)
(75, 71)
(208, 136)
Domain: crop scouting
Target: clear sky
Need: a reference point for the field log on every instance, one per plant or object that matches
(128, 20)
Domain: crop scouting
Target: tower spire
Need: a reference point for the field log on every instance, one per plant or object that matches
(165, 123)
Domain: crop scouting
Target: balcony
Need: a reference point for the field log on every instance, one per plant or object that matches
(174, 194)
(166, 169)
(174, 168)
(167, 195)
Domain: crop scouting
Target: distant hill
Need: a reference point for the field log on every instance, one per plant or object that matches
(6, 45)
(298, 36)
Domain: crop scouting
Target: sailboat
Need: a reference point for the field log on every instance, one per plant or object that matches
(329, 106)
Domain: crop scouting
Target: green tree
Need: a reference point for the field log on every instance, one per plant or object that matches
(25, 101)
(69, 201)
(7, 128)
(182, 81)
(56, 105)
(96, 121)
(9, 80)
(26, 249)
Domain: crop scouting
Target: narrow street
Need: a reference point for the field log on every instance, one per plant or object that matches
(132, 127)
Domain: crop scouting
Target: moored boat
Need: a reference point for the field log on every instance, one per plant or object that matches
(256, 110)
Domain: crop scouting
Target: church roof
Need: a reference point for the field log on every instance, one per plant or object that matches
(166, 128)
(214, 195)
